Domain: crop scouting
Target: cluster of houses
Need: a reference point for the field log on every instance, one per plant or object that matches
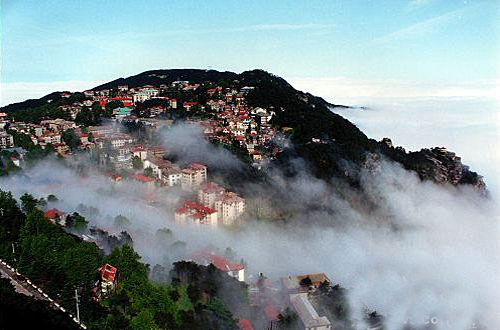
(295, 292)
(213, 206)
(235, 121)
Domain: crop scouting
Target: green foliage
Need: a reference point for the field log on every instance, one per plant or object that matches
(137, 163)
(37, 114)
(77, 223)
(71, 139)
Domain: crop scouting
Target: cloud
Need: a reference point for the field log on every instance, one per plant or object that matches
(421, 28)
(357, 91)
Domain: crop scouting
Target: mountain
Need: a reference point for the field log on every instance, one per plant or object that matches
(331, 145)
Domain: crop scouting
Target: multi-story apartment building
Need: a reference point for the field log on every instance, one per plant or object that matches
(209, 192)
(229, 206)
(193, 176)
(6, 140)
(193, 213)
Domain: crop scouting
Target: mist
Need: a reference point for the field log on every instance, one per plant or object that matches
(425, 251)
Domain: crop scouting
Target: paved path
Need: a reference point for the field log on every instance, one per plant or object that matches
(25, 286)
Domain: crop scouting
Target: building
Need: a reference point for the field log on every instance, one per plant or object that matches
(158, 165)
(6, 140)
(108, 278)
(56, 216)
(139, 152)
(172, 176)
(307, 314)
(149, 182)
(207, 257)
(195, 214)
(230, 206)
(209, 192)
(193, 176)
(295, 283)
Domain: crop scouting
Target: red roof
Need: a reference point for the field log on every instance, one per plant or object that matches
(182, 210)
(271, 312)
(245, 325)
(53, 214)
(142, 178)
(198, 207)
(221, 263)
(108, 272)
(225, 265)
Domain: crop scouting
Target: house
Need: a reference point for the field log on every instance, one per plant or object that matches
(149, 182)
(56, 216)
(188, 105)
(303, 283)
(173, 103)
(109, 278)
(122, 88)
(158, 165)
(208, 256)
(196, 214)
(126, 101)
(307, 314)
(139, 152)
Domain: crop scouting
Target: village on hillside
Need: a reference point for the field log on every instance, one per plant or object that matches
(118, 128)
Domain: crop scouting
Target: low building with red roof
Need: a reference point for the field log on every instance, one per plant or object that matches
(207, 256)
(56, 216)
(109, 278)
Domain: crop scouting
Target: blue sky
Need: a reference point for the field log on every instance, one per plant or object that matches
(416, 41)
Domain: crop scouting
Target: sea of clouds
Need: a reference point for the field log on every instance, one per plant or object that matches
(426, 251)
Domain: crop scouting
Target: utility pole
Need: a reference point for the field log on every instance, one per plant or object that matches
(77, 307)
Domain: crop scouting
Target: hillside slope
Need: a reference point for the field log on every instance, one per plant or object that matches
(331, 145)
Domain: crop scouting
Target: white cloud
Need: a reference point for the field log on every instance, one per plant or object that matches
(358, 91)
(421, 28)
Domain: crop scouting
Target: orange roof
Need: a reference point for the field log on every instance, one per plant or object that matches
(108, 272)
(142, 178)
(53, 214)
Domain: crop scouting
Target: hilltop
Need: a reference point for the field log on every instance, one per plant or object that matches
(331, 145)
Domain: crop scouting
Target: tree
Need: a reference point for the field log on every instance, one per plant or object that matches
(122, 222)
(76, 222)
(148, 171)
(137, 163)
(71, 139)
(52, 198)
(28, 202)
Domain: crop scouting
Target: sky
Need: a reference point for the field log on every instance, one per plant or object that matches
(360, 48)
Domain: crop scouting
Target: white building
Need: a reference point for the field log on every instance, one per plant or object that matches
(209, 192)
(192, 213)
(229, 206)
(193, 176)
(6, 140)
(307, 314)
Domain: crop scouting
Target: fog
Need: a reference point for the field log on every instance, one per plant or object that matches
(469, 126)
(424, 251)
